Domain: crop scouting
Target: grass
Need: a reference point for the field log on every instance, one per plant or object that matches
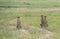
(31, 3)
(28, 18)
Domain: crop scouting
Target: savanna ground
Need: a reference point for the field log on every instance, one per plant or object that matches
(30, 12)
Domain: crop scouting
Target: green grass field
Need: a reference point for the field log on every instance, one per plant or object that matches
(31, 3)
(29, 17)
